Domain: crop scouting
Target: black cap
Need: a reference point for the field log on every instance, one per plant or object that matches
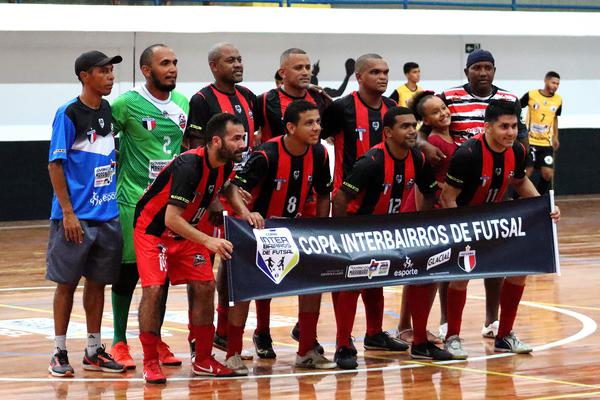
(480, 55)
(94, 58)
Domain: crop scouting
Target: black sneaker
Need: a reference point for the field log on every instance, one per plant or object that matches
(101, 361)
(193, 350)
(383, 341)
(295, 334)
(59, 364)
(345, 358)
(429, 351)
(264, 345)
(220, 342)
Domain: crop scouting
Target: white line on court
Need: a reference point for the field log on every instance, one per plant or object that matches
(589, 326)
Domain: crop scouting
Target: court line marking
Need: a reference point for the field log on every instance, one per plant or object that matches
(568, 396)
(17, 227)
(589, 326)
(507, 374)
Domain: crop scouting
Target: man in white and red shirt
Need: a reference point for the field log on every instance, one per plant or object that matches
(467, 105)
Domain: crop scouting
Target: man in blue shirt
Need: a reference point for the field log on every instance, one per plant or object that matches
(85, 234)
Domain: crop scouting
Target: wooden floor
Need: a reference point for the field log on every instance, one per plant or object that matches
(559, 317)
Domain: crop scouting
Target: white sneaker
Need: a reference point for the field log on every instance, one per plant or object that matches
(490, 331)
(442, 331)
(454, 346)
(511, 344)
(236, 364)
(246, 355)
(314, 360)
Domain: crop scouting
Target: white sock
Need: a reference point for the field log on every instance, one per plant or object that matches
(60, 342)
(93, 343)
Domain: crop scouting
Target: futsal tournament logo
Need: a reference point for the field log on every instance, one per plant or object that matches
(276, 252)
(467, 260)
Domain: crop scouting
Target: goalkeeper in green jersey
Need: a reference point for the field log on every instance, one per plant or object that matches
(150, 120)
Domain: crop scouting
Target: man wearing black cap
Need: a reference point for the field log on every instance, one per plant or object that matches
(467, 105)
(85, 233)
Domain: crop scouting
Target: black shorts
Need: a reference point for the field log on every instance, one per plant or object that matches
(98, 258)
(540, 156)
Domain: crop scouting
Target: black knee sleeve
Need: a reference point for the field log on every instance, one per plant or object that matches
(128, 278)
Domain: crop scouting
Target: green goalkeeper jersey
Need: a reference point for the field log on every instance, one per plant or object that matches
(150, 134)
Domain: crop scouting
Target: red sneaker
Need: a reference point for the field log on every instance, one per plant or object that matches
(165, 355)
(153, 373)
(120, 353)
(211, 367)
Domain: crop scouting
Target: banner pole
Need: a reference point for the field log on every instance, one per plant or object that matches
(555, 235)
(228, 263)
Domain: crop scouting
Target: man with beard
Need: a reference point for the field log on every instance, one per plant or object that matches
(168, 245)
(150, 120)
(224, 95)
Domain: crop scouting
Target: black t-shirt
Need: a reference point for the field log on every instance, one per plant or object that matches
(210, 101)
(482, 174)
(380, 183)
(189, 182)
(270, 109)
(279, 182)
(355, 127)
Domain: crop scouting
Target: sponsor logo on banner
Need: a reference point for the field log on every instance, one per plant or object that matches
(407, 268)
(155, 166)
(467, 259)
(276, 252)
(103, 176)
(373, 269)
(149, 123)
(439, 259)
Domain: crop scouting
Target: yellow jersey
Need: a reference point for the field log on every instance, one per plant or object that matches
(540, 116)
(402, 94)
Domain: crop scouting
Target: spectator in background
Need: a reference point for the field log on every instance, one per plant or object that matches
(405, 92)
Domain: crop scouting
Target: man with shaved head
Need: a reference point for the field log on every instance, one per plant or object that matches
(150, 120)
(295, 72)
(224, 95)
(355, 122)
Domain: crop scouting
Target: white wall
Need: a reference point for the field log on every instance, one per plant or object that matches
(36, 71)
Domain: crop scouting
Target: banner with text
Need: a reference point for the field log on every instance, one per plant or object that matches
(315, 255)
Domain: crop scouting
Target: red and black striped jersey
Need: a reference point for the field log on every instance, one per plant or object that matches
(280, 182)
(481, 173)
(271, 106)
(210, 101)
(355, 127)
(382, 184)
(468, 111)
(189, 182)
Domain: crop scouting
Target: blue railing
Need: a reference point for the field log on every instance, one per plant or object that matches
(513, 5)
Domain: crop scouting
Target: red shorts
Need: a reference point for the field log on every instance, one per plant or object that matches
(205, 226)
(181, 260)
